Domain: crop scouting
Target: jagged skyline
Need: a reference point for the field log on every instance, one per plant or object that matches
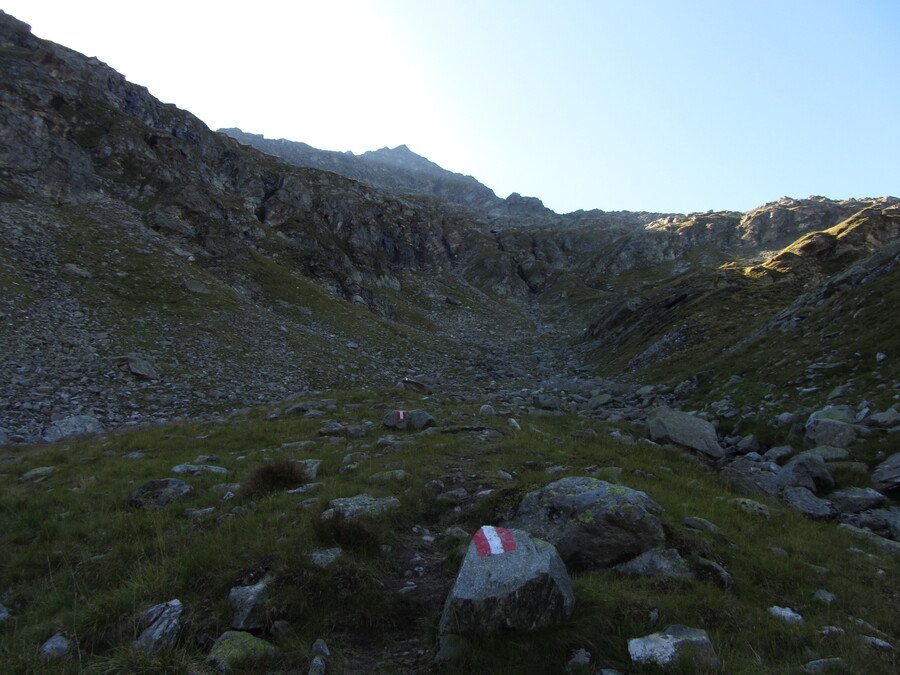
(592, 105)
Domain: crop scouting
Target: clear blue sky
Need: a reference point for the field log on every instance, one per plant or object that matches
(658, 105)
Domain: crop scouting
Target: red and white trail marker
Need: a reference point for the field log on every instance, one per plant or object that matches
(402, 415)
(494, 541)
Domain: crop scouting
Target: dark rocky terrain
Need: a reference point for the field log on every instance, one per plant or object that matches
(131, 228)
(154, 270)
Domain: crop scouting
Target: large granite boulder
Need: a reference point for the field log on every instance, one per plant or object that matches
(593, 523)
(160, 624)
(888, 419)
(407, 419)
(416, 386)
(883, 522)
(832, 425)
(73, 427)
(804, 501)
(674, 647)
(674, 426)
(886, 477)
(856, 499)
(56, 647)
(507, 580)
(752, 477)
(806, 470)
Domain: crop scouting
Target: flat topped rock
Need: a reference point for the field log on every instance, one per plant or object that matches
(508, 580)
(197, 469)
(674, 426)
(360, 506)
(675, 644)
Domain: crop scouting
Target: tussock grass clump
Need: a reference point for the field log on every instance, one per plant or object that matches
(274, 476)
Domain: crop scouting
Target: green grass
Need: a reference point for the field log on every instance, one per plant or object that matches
(78, 560)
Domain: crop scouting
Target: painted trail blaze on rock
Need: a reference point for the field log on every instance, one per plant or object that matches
(402, 415)
(494, 541)
(509, 580)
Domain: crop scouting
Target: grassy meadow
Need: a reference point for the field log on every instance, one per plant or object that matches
(78, 560)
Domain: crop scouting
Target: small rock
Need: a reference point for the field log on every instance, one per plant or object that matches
(751, 507)
(320, 648)
(878, 643)
(326, 557)
(197, 469)
(137, 365)
(657, 563)
(833, 665)
(786, 614)
(580, 659)
(713, 571)
(157, 494)
(197, 287)
(824, 596)
(672, 645)
(386, 477)
(36, 475)
(281, 629)
(701, 525)
(507, 580)
(56, 647)
(317, 666)
(162, 623)
(418, 387)
(778, 453)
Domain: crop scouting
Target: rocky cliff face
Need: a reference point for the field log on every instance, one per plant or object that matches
(245, 272)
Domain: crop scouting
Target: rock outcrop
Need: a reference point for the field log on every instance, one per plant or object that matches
(507, 580)
(593, 523)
